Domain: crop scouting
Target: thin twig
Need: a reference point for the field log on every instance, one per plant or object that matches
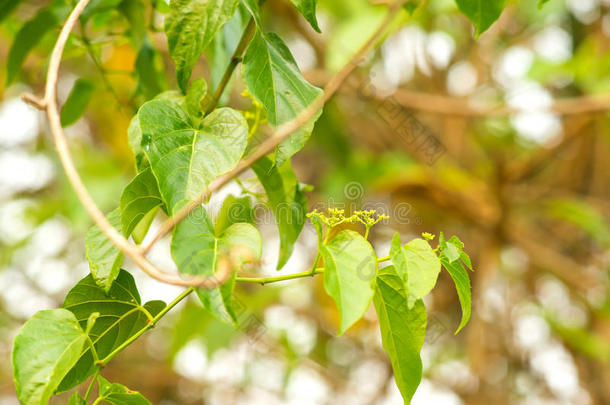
(283, 131)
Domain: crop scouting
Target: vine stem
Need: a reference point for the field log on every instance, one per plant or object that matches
(235, 59)
(131, 250)
(151, 324)
(284, 277)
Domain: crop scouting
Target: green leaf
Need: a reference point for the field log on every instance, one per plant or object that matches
(151, 79)
(273, 78)
(308, 9)
(118, 394)
(287, 201)
(77, 102)
(185, 159)
(139, 198)
(190, 27)
(7, 7)
(403, 330)
(482, 13)
(135, 13)
(254, 10)
(76, 399)
(417, 265)
(234, 210)
(121, 315)
(104, 258)
(542, 3)
(46, 348)
(195, 97)
(451, 253)
(32, 33)
(196, 249)
(350, 265)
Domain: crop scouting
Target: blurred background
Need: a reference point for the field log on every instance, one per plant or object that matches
(503, 141)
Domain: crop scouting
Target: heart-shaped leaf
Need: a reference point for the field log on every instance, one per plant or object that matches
(139, 198)
(120, 316)
(350, 265)
(185, 159)
(104, 258)
(417, 265)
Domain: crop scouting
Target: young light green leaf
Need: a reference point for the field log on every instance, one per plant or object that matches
(139, 198)
(482, 13)
(417, 265)
(197, 248)
(46, 348)
(273, 78)
(350, 265)
(32, 33)
(308, 9)
(190, 27)
(117, 394)
(104, 258)
(77, 102)
(121, 315)
(233, 211)
(185, 159)
(403, 330)
(287, 201)
(195, 96)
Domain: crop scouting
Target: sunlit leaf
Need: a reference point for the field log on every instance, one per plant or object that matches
(350, 265)
(403, 330)
(139, 198)
(185, 159)
(273, 78)
(46, 348)
(104, 257)
(417, 265)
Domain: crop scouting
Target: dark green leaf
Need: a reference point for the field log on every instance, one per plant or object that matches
(151, 79)
(77, 102)
(118, 394)
(135, 13)
(451, 253)
(121, 315)
(417, 265)
(32, 33)
(197, 249)
(273, 78)
(190, 27)
(6, 7)
(288, 203)
(46, 348)
(350, 265)
(185, 159)
(308, 9)
(482, 13)
(402, 330)
(139, 198)
(104, 258)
